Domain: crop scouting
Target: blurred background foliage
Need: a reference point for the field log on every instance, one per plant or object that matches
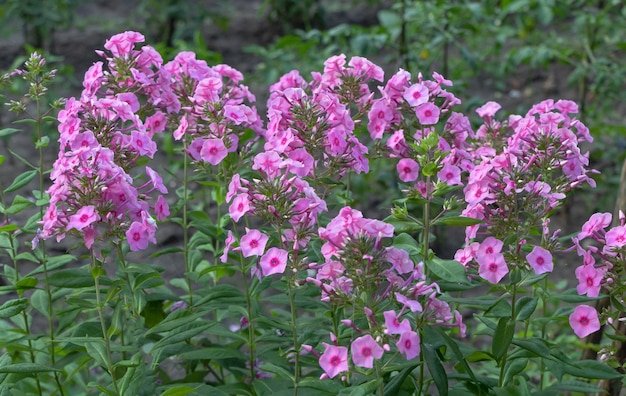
(517, 52)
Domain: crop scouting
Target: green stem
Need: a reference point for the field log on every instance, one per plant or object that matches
(186, 225)
(95, 269)
(294, 331)
(426, 231)
(505, 356)
(251, 344)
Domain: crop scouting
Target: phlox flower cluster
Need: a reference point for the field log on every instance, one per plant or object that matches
(312, 123)
(213, 111)
(102, 137)
(405, 114)
(522, 170)
(360, 272)
(604, 257)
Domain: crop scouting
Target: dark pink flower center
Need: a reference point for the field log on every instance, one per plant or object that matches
(493, 267)
(274, 262)
(366, 351)
(335, 360)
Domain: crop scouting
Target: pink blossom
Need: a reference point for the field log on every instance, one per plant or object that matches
(213, 151)
(450, 174)
(394, 326)
(364, 350)
(408, 169)
(334, 360)
(490, 245)
(161, 208)
(413, 305)
(156, 180)
(274, 261)
(488, 110)
(427, 113)
(400, 260)
(409, 344)
(138, 236)
(492, 267)
(253, 243)
(597, 222)
(540, 260)
(616, 237)
(239, 207)
(230, 239)
(122, 44)
(83, 218)
(416, 95)
(584, 320)
(589, 280)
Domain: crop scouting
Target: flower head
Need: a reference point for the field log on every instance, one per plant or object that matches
(540, 260)
(364, 350)
(584, 320)
(334, 360)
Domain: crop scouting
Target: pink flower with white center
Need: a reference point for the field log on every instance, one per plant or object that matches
(83, 218)
(213, 151)
(394, 326)
(274, 261)
(253, 243)
(540, 260)
(409, 344)
(416, 95)
(584, 320)
(427, 113)
(492, 267)
(334, 360)
(616, 237)
(408, 169)
(239, 207)
(161, 208)
(589, 280)
(597, 222)
(138, 236)
(364, 350)
(450, 174)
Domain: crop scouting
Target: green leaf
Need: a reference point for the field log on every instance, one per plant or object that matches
(26, 283)
(19, 204)
(525, 307)
(21, 181)
(514, 367)
(364, 389)
(330, 387)
(459, 221)
(502, 338)
(97, 351)
(393, 386)
(279, 371)
(8, 131)
(39, 301)
(179, 391)
(437, 371)
(71, 278)
(571, 386)
(400, 226)
(448, 270)
(591, 369)
(535, 345)
(13, 307)
(212, 353)
(26, 368)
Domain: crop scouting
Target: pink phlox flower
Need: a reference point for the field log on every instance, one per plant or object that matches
(589, 280)
(130, 99)
(399, 259)
(304, 160)
(397, 143)
(540, 260)
(330, 270)
(584, 320)
(427, 113)
(83, 217)
(409, 344)
(239, 207)
(156, 180)
(156, 123)
(93, 80)
(492, 267)
(235, 113)
(268, 162)
(440, 310)
(334, 360)
(161, 208)
(213, 151)
(478, 192)
(230, 240)
(393, 325)
(566, 106)
(182, 128)
(234, 187)
(616, 237)
(365, 69)
(490, 245)
(450, 174)
(138, 236)
(122, 44)
(597, 222)
(408, 169)
(488, 110)
(274, 261)
(376, 228)
(253, 243)
(208, 90)
(364, 350)
(413, 305)
(416, 95)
